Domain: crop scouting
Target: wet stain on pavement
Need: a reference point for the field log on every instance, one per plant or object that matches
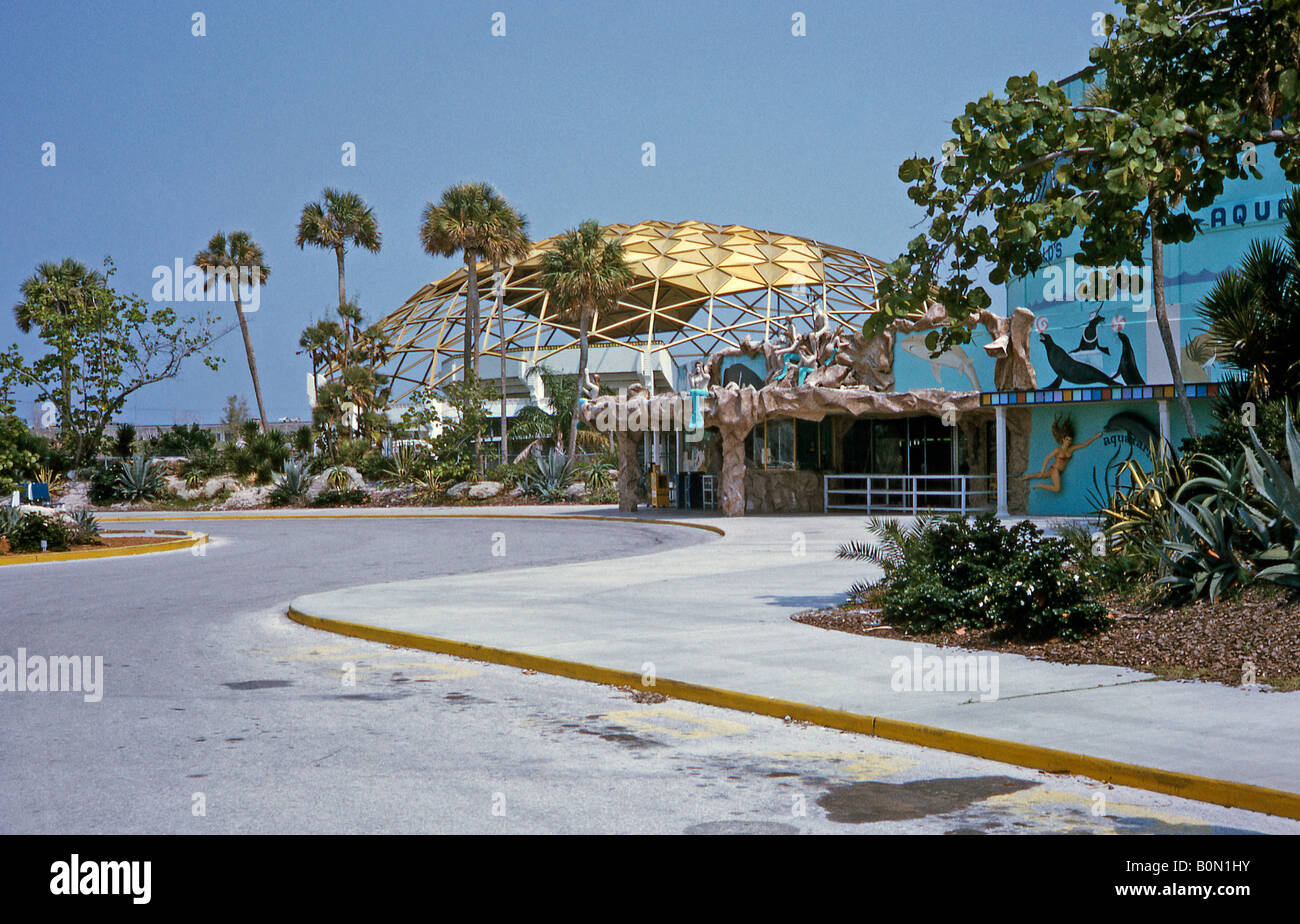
(258, 684)
(617, 734)
(869, 800)
(466, 699)
(741, 827)
(1126, 825)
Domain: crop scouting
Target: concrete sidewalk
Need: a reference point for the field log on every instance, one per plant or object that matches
(717, 614)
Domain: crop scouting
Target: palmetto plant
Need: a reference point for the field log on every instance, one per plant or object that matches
(1252, 314)
(238, 259)
(889, 542)
(551, 476)
(123, 440)
(548, 429)
(140, 479)
(585, 273)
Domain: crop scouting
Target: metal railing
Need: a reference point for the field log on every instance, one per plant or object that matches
(910, 493)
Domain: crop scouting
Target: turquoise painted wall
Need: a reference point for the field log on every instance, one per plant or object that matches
(1122, 426)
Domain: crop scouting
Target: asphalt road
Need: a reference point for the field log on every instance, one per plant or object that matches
(219, 715)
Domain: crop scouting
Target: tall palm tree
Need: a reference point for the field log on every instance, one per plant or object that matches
(509, 243)
(238, 258)
(1253, 312)
(584, 273)
(471, 219)
(64, 285)
(339, 219)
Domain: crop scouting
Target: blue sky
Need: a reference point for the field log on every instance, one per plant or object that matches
(163, 138)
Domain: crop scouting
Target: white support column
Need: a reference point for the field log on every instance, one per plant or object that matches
(1165, 438)
(1000, 426)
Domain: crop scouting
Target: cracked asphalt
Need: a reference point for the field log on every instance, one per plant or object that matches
(221, 716)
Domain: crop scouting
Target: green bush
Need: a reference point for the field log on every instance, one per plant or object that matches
(35, 527)
(104, 489)
(977, 574)
(183, 441)
(510, 474)
(334, 498)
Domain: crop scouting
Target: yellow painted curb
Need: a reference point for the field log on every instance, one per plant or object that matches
(190, 540)
(1183, 785)
(417, 516)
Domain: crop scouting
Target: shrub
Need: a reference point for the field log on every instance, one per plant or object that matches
(510, 474)
(35, 527)
(104, 489)
(139, 479)
(977, 574)
(262, 454)
(335, 498)
(123, 440)
(374, 466)
(183, 441)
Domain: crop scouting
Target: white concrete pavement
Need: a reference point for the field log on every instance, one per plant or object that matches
(718, 614)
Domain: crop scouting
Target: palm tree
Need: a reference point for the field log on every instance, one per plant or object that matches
(341, 218)
(237, 258)
(64, 286)
(508, 244)
(583, 274)
(471, 219)
(1252, 314)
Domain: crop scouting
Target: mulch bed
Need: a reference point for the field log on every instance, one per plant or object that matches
(1202, 640)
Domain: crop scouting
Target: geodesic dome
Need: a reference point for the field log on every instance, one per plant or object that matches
(697, 287)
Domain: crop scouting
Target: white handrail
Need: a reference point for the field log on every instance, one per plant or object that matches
(909, 493)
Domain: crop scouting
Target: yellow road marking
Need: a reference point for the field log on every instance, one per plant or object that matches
(695, 727)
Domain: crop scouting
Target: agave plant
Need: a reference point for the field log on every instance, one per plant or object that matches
(291, 486)
(140, 479)
(551, 476)
(9, 518)
(1282, 491)
(85, 527)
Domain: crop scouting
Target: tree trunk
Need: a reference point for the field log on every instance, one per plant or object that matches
(583, 321)
(252, 361)
(1167, 335)
(501, 348)
(471, 316)
(347, 329)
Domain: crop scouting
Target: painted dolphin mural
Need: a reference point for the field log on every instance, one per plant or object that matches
(953, 358)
